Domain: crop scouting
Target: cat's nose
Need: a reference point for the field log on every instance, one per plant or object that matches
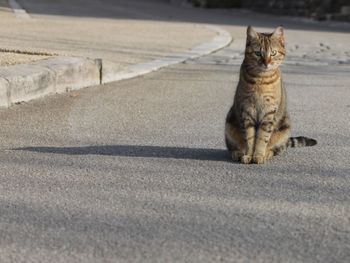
(266, 61)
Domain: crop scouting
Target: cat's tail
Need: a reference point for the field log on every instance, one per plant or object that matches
(300, 141)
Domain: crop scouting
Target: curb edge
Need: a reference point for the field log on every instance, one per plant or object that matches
(24, 82)
(221, 40)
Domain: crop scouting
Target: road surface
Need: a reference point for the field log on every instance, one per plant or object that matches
(137, 171)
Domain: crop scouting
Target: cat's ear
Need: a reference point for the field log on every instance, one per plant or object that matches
(251, 34)
(279, 34)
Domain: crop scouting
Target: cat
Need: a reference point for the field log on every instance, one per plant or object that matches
(258, 125)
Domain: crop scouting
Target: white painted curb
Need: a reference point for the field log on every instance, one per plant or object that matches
(18, 10)
(221, 40)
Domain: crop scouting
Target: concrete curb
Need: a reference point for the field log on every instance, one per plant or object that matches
(44, 77)
(221, 40)
(25, 82)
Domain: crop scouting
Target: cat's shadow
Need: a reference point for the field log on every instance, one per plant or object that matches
(137, 151)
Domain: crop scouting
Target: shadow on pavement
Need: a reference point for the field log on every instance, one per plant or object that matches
(138, 151)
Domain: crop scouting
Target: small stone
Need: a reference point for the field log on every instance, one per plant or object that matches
(74, 95)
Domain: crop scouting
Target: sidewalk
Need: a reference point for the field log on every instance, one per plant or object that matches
(121, 41)
(121, 36)
(126, 38)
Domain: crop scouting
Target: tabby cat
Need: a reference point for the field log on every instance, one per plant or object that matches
(257, 125)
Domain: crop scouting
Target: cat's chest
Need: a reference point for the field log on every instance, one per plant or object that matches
(258, 104)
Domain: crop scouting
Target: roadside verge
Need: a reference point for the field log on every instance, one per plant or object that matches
(24, 82)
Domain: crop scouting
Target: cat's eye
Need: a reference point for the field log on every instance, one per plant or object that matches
(258, 53)
(273, 53)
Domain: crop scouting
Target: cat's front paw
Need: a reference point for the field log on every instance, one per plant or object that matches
(246, 159)
(259, 159)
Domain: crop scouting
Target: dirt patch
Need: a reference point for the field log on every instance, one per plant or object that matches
(11, 58)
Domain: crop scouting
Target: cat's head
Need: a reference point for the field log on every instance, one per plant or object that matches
(264, 51)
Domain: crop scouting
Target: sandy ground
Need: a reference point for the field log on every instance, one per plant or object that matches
(10, 58)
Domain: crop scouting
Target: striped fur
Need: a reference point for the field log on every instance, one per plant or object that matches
(300, 141)
(258, 125)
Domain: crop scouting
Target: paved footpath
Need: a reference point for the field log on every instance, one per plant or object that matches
(121, 32)
(137, 171)
(92, 43)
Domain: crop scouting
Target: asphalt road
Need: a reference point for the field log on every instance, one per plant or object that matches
(137, 171)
